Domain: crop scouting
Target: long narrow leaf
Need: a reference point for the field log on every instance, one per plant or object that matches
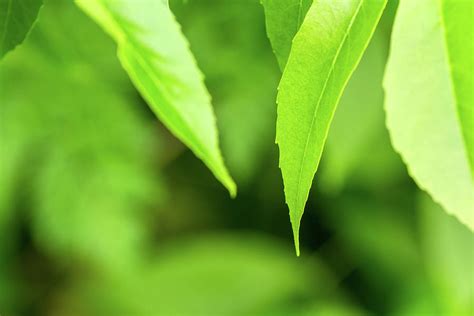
(324, 53)
(156, 56)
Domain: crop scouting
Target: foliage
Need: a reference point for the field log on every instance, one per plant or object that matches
(104, 211)
(322, 58)
(155, 55)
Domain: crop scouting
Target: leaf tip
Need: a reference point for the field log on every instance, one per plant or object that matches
(295, 225)
(232, 188)
(228, 183)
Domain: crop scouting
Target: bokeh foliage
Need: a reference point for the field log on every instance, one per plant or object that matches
(103, 212)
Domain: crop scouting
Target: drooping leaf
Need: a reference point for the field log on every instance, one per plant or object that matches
(325, 52)
(429, 106)
(16, 19)
(157, 58)
(283, 19)
(345, 153)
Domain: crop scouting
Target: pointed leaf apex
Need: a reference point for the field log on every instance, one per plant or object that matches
(295, 225)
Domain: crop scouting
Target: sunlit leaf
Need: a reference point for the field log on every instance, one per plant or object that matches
(324, 54)
(429, 103)
(157, 58)
(16, 19)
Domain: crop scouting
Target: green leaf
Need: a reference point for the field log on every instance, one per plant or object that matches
(283, 19)
(16, 20)
(325, 52)
(157, 58)
(429, 106)
(457, 23)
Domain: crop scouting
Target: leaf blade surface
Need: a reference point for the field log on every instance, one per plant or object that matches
(325, 52)
(157, 58)
(429, 103)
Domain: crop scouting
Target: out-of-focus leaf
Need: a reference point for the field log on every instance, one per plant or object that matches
(157, 58)
(283, 19)
(84, 146)
(333, 309)
(212, 275)
(325, 52)
(16, 19)
(389, 237)
(449, 257)
(429, 106)
(418, 299)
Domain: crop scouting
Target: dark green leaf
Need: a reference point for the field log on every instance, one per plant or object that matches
(283, 19)
(16, 19)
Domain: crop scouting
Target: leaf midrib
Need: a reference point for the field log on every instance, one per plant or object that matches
(331, 70)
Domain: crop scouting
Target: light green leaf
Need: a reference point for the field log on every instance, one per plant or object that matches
(325, 52)
(157, 58)
(429, 106)
(457, 23)
(283, 19)
(16, 19)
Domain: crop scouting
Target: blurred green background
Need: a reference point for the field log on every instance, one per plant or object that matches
(104, 212)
